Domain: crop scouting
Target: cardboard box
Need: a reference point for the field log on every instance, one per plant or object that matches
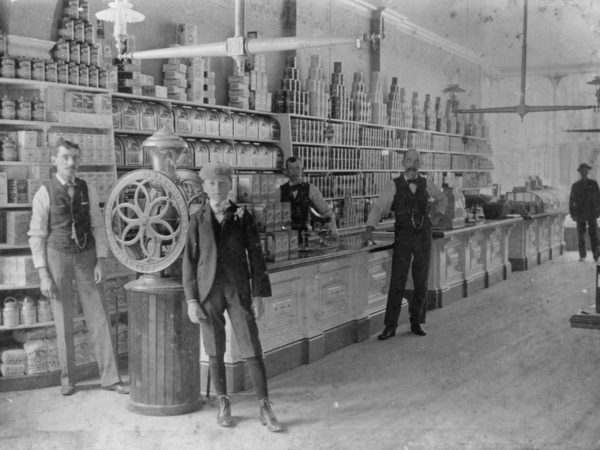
(276, 216)
(264, 188)
(155, 91)
(259, 215)
(286, 215)
(248, 188)
(278, 246)
(269, 217)
(17, 226)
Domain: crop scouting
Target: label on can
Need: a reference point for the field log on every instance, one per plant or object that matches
(38, 70)
(51, 71)
(102, 78)
(74, 52)
(23, 109)
(84, 54)
(62, 69)
(89, 33)
(93, 76)
(84, 75)
(62, 50)
(95, 55)
(73, 73)
(9, 110)
(38, 109)
(7, 67)
(79, 31)
(24, 68)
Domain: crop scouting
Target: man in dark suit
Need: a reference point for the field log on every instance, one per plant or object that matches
(584, 207)
(224, 269)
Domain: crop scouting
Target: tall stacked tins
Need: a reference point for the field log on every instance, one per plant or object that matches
(394, 107)
(318, 98)
(340, 103)
(239, 91)
(187, 34)
(175, 79)
(362, 106)
(78, 57)
(259, 98)
(438, 114)
(378, 107)
(291, 99)
(129, 76)
(427, 115)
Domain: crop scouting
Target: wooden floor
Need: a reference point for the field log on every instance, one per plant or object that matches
(501, 369)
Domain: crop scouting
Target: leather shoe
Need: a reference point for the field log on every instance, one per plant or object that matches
(119, 388)
(67, 389)
(224, 414)
(416, 328)
(267, 417)
(388, 332)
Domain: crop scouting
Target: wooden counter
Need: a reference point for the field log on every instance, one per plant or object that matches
(536, 239)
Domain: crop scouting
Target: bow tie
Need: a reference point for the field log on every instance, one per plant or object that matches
(70, 184)
(412, 181)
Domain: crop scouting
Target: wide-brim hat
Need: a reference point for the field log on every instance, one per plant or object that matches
(584, 166)
(216, 169)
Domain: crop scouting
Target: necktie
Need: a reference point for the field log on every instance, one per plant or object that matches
(70, 185)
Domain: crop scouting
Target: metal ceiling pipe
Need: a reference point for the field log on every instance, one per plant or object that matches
(293, 43)
(186, 51)
(240, 18)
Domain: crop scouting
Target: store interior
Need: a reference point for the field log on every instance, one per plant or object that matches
(348, 86)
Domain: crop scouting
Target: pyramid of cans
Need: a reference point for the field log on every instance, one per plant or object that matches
(77, 56)
(291, 98)
(378, 107)
(318, 97)
(341, 105)
(362, 106)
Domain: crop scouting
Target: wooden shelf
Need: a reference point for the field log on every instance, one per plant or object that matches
(35, 84)
(36, 325)
(14, 247)
(15, 205)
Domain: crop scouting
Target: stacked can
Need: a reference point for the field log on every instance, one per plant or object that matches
(318, 97)
(378, 107)
(340, 103)
(362, 106)
(239, 91)
(427, 113)
(129, 76)
(175, 78)
(291, 99)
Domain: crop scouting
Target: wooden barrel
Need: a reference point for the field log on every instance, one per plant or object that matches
(164, 352)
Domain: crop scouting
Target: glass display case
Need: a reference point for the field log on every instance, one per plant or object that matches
(537, 201)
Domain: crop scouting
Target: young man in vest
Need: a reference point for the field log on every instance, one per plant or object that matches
(68, 243)
(224, 270)
(409, 196)
(302, 195)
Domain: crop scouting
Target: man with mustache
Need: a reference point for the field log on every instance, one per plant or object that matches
(411, 197)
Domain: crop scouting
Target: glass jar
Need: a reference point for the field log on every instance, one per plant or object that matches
(23, 108)
(8, 110)
(9, 150)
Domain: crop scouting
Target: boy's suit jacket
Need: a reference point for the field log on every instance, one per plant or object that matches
(240, 254)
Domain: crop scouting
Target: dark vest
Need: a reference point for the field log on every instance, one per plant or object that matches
(222, 272)
(300, 204)
(65, 214)
(410, 209)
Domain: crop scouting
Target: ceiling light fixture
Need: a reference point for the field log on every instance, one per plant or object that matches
(522, 108)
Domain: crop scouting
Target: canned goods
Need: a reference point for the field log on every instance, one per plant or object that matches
(38, 109)
(84, 54)
(10, 312)
(89, 33)
(9, 111)
(7, 67)
(23, 68)
(23, 108)
(62, 50)
(44, 310)
(28, 311)
(51, 71)
(38, 70)
(62, 72)
(9, 150)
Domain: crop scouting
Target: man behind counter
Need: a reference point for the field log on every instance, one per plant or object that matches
(417, 204)
(302, 195)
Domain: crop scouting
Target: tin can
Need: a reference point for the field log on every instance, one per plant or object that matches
(103, 78)
(79, 31)
(73, 73)
(23, 68)
(83, 9)
(93, 76)
(95, 55)
(9, 150)
(7, 67)
(67, 32)
(38, 109)
(84, 75)
(9, 110)
(62, 69)
(23, 108)
(72, 9)
(44, 310)
(74, 52)
(10, 312)
(62, 50)
(38, 70)
(28, 311)
(51, 71)
(89, 33)
(84, 53)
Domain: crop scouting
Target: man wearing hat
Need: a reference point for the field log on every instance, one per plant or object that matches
(584, 207)
(224, 269)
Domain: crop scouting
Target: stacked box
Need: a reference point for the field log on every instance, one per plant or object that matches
(175, 80)
(291, 99)
(17, 226)
(195, 79)
(128, 76)
(340, 103)
(239, 91)
(208, 95)
(361, 104)
(378, 107)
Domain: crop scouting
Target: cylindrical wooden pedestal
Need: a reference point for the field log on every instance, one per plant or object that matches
(164, 356)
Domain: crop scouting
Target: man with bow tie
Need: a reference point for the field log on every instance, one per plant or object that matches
(302, 195)
(68, 243)
(224, 270)
(417, 204)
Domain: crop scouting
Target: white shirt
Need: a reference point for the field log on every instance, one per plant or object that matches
(219, 209)
(383, 204)
(40, 216)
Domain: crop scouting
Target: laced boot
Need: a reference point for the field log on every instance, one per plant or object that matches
(267, 417)
(224, 414)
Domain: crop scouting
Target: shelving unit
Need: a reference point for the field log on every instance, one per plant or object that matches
(350, 162)
(213, 133)
(93, 131)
